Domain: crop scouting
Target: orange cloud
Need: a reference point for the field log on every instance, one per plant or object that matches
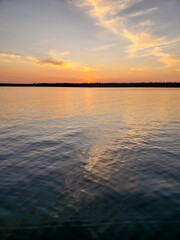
(33, 59)
(51, 62)
(86, 69)
(109, 15)
(167, 59)
(60, 63)
(55, 62)
(105, 13)
(141, 41)
(65, 53)
(5, 54)
(144, 40)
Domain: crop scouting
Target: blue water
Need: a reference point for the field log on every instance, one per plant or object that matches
(82, 163)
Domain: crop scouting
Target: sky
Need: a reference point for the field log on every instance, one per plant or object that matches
(77, 41)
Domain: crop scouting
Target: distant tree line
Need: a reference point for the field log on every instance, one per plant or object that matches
(98, 84)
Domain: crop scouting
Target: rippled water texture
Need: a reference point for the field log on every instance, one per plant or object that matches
(82, 163)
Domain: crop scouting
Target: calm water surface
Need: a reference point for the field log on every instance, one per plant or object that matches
(82, 163)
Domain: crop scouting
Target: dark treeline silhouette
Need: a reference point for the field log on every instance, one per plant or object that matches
(141, 84)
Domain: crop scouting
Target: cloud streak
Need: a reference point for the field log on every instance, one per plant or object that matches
(141, 41)
(101, 48)
(53, 61)
(87, 69)
(110, 15)
(65, 53)
(168, 59)
(14, 55)
(106, 13)
(140, 13)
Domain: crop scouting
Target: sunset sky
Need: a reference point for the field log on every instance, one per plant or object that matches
(89, 41)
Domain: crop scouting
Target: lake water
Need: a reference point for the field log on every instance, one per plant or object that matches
(89, 163)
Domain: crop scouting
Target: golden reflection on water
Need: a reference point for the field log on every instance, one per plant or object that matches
(112, 108)
(137, 108)
(95, 154)
(128, 103)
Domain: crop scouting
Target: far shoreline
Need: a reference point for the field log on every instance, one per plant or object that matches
(98, 85)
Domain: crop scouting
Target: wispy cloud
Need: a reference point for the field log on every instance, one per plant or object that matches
(140, 13)
(65, 53)
(168, 59)
(14, 55)
(87, 69)
(146, 23)
(114, 16)
(141, 41)
(106, 13)
(32, 59)
(110, 14)
(104, 47)
(144, 40)
(53, 61)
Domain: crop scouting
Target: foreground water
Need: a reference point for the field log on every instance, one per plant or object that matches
(82, 163)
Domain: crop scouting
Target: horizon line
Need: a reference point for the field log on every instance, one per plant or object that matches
(95, 84)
